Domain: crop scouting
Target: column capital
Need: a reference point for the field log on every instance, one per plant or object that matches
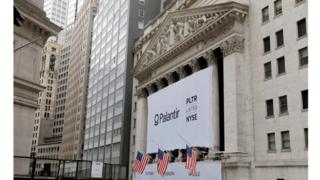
(181, 72)
(169, 78)
(141, 93)
(159, 84)
(208, 55)
(232, 45)
(194, 65)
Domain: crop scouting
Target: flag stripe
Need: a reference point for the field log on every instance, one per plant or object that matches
(163, 164)
(140, 165)
(191, 162)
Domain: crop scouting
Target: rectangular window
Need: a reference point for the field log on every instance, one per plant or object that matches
(134, 123)
(285, 140)
(266, 44)
(141, 12)
(277, 7)
(304, 95)
(302, 27)
(271, 142)
(267, 70)
(133, 140)
(141, 2)
(269, 106)
(279, 36)
(281, 65)
(283, 104)
(265, 14)
(140, 24)
(306, 141)
(303, 56)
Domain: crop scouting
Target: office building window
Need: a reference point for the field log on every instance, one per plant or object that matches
(269, 107)
(271, 142)
(277, 7)
(141, 12)
(279, 36)
(281, 65)
(266, 44)
(304, 95)
(141, 2)
(303, 56)
(306, 141)
(267, 70)
(285, 140)
(265, 14)
(134, 123)
(283, 104)
(302, 27)
(140, 24)
(133, 140)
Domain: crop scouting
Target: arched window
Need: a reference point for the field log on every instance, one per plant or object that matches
(52, 62)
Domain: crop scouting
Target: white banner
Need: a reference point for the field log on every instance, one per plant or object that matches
(205, 171)
(181, 114)
(97, 169)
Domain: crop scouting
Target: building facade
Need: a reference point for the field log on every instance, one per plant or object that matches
(107, 127)
(259, 56)
(44, 125)
(31, 31)
(56, 11)
(77, 82)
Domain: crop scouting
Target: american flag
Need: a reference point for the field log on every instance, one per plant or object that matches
(191, 160)
(162, 164)
(140, 162)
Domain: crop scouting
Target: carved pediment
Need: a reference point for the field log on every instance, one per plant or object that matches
(181, 28)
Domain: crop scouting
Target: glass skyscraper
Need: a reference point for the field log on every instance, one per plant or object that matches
(105, 102)
(108, 111)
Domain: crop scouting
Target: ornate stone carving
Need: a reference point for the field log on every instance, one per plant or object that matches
(232, 45)
(183, 28)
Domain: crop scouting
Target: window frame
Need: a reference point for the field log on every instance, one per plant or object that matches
(305, 107)
(283, 141)
(301, 59)
(277, 12)
(282, 58)
(272, 108)
(265, 16)
(281, 112)
(267, 72)
(279, 40)
(266, 40)
(271, 142)
(304, 29)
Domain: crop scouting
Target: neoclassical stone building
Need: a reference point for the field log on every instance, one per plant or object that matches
(258, 51)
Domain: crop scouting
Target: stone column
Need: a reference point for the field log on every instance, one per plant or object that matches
(142, 121)
(232, 50)
(215, 100)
